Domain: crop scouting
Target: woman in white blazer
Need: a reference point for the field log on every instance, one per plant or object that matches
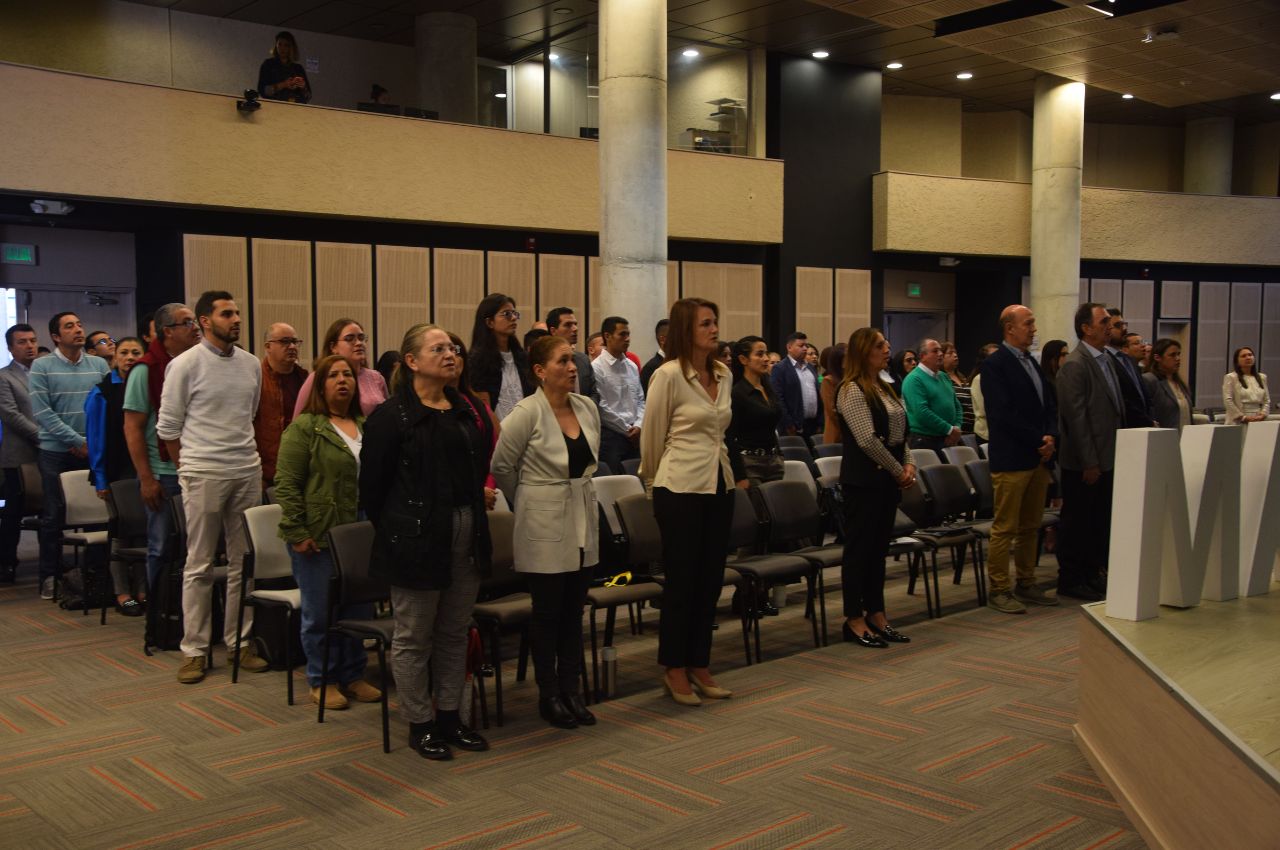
(544, 461)
(1244, 390)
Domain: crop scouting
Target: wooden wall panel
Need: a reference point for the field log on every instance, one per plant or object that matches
(1212, 355)
(1269, 356)
(1139, 307)
(853, 301)
(562, 282)
(1246, 318)
(1176, 297)
(458, 286)
(344, 289)
(219, 262)
(282, 293)
(1106, 291)
(513, 274)
(741, 306)
(814, 305)
(404, 292)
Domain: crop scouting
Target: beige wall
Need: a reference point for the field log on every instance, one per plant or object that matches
(147, 44)
(949, 215)
(920, 134)
(1257, 159)
(996, 145)
(1132, 156)
(568, 97)
(693, 82)
(106, 139)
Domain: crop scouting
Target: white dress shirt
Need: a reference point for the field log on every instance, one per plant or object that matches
(621, 398)
(808, 388)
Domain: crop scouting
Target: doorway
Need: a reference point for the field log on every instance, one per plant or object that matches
(907, 328)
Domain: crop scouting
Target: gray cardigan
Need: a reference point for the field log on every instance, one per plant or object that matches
(1164, 402)
(21, 433)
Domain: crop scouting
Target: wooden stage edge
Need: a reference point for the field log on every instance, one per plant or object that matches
(1184, 777)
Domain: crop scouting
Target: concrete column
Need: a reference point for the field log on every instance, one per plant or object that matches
(445, 53)
(1057, 156)
(1207, 154)
(757, 65)
(633, 165)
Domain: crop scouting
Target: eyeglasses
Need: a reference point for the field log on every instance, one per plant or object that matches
(350, 338)
(106, 340)
(512, 315)
(189, 323)
(439, 350)
(287, 342)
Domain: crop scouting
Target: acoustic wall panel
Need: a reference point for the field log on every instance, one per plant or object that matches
(344, 290)
(853, 302)
(1176, 297)
(1084, 290)
(1246, 318)
(219, 262)
(815, 296)
(404, 292)
(562, 282)
(737, 288)
(281, 293)
(1106, 292)
(1139, 307)
(458, 286)
(1269, 342)
(1211, 353)
(512, 274)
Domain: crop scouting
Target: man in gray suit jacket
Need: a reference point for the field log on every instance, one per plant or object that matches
(18, 441)
(562, 322)
(1090, 409)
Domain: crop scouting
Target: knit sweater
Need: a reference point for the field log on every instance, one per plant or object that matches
(58, 391)
(932, 407)
(208, 403)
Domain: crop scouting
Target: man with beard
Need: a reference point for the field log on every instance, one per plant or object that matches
(207, 407)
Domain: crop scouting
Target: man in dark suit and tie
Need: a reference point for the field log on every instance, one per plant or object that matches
(19, 443)
(1139, 409)
(1090, 409)
(1022, 418)
(562, 322)
(795, 383)
(660, 357)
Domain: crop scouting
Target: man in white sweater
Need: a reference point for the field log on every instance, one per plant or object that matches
(206, 416)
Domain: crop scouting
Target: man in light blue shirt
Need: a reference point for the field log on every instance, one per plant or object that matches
(621, 396)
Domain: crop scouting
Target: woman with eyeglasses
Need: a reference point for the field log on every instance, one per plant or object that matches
(347, 338)
(423, 464)
(485, 420)
(499, 365)
(545, 458)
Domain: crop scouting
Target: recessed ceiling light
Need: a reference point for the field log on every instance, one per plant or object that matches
(554, 57)
(689, 53)
(1127, 96)
(964, 75)
(820, 54)
(1276, 96)
(501, 94)
(894, 66)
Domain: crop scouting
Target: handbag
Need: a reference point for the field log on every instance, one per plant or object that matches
(763, 468)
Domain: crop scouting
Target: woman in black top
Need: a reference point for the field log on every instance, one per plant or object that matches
(422, 470)
(281, 77)
(499, 365)
(753, 433)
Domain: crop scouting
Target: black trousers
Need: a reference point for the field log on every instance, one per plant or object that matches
(869, 514)
(924, 441)
(556, 629)
(615, 448)
(10, 516)
(1084, 533)
(695, 536)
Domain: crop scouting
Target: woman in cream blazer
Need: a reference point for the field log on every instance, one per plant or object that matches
(543, 461)
(1244, 390)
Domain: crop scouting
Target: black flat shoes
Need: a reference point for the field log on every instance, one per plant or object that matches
(889, 633)
(866, 639)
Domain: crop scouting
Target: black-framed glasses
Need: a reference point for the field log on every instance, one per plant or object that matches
(106, 340)
(439, 350)
(287, 342)
(511, 315)
(350, 338)
(186, 323)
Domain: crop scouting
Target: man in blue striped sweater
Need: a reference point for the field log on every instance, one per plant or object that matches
(59, 384)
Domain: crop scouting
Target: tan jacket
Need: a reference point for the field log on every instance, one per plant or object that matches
(682, 442)
(555, 515)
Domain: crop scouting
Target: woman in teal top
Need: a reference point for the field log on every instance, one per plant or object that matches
(317, 487)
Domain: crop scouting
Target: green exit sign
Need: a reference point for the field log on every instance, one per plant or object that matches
(914, 290)
(18, 255)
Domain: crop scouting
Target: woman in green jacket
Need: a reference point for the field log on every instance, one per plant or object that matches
(317, 487)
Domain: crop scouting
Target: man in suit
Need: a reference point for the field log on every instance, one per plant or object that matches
(1090, 409)
(1022, 420)
(795, 383)
(562, 322)
(18, 445)
(1138, 412)
(660, 334)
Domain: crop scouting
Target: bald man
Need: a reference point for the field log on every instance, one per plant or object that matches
(1022, 418)
(282, 380)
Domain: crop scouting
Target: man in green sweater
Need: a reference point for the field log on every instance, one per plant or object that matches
(933, 411)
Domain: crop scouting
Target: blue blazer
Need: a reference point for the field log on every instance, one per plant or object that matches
(786, 386)
(1016, 418)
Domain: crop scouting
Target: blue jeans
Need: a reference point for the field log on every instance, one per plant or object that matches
(54, 512)
(159, 527)
(347, 657)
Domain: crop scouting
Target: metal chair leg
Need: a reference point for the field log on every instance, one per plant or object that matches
(324, 672)
(386, 713)
(495, 650)
(595, 656)
(288, 653)
(235, 656)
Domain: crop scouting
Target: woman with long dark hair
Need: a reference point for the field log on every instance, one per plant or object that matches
(873, 472)
(959, 383)
(833, 365)
(346, 338)
(485, 420)
(281, 76)
(1244, 389)
(685, 464)
(1052, 356)
(753, 433)
(1170, 397)
(499, 365)
(901, 365)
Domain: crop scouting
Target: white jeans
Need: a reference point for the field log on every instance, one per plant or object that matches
(214, 508)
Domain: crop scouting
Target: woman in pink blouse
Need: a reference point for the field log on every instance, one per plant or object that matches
(347, 338)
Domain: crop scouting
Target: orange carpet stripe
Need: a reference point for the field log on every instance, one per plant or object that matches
(35, 624)
(1066, 650)
(489, 831)
(1012, 674)
(964, 753)
(893, 724)
(167, 779)
(80, 754)
(351, 789)
(509, 756)
(7, 722)
(142, 656)
(364, 745)
(828, 671)
(1028, 668)
(773, 764)
(1020, 716)
(635, 774)
(888, 801)
(1042, 833)
(251, 833)
(52, 747)
(247, 712)
(737, 756)
(1076, 795)
(912, 654)
(1067, 714)
(570, 828)
(116, 664)
(653, 715)
(195, 712)
(922, 692)
(985, 632)
(79, 622)
(821, 835)
(280, 750)
(840, 724)
(766, 700)
(8, 813)
(631, 724)
(762, 830)
(115, 783)
(1001, 762)
(152, 694)
(910, 789)
(1107, 840)
(623, 790)
(42, 711)
(191, 830)
(405, 785)
(930, 706)
(1083, 780)
(762, 687)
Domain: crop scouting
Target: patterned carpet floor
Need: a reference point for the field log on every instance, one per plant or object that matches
(961, 739)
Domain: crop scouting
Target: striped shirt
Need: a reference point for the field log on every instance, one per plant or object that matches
(58, 391)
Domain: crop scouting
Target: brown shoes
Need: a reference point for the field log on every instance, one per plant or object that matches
(362, 691)
(333, 699)
(192, 670)
(251, 661)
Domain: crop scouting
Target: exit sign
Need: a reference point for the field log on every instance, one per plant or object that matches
(914, 290)
(18, 255)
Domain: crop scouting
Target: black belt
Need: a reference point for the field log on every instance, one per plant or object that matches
(761, 452)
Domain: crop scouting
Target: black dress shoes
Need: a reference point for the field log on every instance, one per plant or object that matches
(429, 743)
(1080, 591)
(578, 708)
(866, 639)
(8, 573)
(464, 737)
(889, 633)
(554, 711)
